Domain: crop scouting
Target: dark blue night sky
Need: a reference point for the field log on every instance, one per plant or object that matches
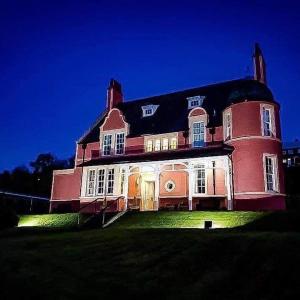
(57, 57)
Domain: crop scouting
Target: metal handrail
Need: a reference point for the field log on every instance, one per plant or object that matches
(101, 210)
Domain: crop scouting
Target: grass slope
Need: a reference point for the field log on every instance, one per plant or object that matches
(185, 219)
(50, 220)
(150, 264)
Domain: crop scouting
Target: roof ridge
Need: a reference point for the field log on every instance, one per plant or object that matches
(188, 89)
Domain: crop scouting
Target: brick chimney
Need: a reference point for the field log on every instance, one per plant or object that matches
(259, 65)
(114, 94)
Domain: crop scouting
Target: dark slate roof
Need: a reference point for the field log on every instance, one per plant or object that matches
(211, 150)
(172, 113)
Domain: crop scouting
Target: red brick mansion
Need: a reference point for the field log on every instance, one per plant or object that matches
(210, 147)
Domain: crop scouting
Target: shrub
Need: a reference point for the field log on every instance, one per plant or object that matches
(8, 217)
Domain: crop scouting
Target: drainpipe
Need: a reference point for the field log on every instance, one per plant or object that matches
(214, 176)
(83, 158)
(232, 181)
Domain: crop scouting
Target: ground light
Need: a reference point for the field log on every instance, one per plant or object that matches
(208, 224)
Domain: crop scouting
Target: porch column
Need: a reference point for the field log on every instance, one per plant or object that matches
(157, 187)
(191, 180)
(126, 180)
(228, 175)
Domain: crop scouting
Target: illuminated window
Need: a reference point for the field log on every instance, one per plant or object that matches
(91, 182)
(173, 143)
(198, 134)
(120, 139)
(149, 145)
(165, 144)
(110, 181)
(101, 178)
(227, 126)
(200, 179)
(107, 144)
(270, 173)
(157, 145)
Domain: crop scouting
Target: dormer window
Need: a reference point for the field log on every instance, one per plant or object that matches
(149, 110)
(195, 101)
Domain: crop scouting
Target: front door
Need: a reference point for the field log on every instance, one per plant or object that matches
(148, 195)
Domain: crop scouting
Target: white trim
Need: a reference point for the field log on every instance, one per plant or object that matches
(248, 137)
(63, 172)
(260, 193)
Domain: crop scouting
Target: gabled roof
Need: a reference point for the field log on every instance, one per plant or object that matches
(172, 113)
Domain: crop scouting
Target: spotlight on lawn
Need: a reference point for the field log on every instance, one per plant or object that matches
(208, 224)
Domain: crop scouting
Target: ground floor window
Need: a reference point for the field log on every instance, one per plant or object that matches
(91, 182)
(200, 179)
(270, 173)
(100, 182)
(101, 177)
(110, 181)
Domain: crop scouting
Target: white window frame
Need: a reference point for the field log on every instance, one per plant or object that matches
(195, 101)
(275, 181)
(122, 181)
(198, 134)
(157, 145)
(271, 122)
(149, 110)
(202, 168)
(149, 146)
(104, 145)
(88, 181)
(110, 172)
(103, 176)
(173, 143)
(227, 124)
(117, 143)
(165, 144)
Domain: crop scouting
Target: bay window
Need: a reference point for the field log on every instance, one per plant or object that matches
(101, 178)
(91, 182)
(110, 181)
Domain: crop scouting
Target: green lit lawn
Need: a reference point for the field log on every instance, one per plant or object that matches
(131, 262)
(184, 219)
(52, 220)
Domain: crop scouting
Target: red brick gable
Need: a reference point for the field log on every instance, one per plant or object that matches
(114, 120)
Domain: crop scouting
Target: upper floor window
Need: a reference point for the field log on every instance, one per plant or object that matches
(195, 101)
(290, 151)
(162, 143)
(107, 140)
(173, 143)
(198, 134)
(270, 173)
(149, 145)
(120, 139)
(227, 126)
(165, 144)
(149, 110)
(268, 127)
(157, 145)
